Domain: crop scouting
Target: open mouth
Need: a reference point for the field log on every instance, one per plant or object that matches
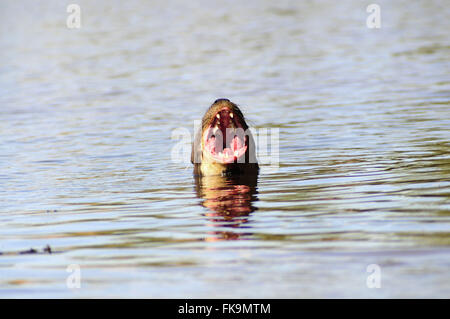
(224, 139)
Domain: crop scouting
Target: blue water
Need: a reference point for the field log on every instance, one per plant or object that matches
(86, 165)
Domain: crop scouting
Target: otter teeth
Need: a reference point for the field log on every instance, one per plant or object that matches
(231, 115)
(218, 116)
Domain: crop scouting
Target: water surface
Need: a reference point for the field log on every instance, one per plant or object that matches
(87, 117)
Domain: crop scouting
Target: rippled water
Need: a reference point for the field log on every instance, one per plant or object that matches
(87, 117)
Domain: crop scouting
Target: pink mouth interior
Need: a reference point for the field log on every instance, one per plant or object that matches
(221, 139)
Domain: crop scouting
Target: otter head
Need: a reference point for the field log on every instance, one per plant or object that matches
(224, 140)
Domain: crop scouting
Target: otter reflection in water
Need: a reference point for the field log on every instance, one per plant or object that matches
(225, 167)
(229, 200)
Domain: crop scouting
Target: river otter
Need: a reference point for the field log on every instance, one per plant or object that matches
(224, 145)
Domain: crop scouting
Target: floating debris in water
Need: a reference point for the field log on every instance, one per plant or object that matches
(30, 251)
(47, 249)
